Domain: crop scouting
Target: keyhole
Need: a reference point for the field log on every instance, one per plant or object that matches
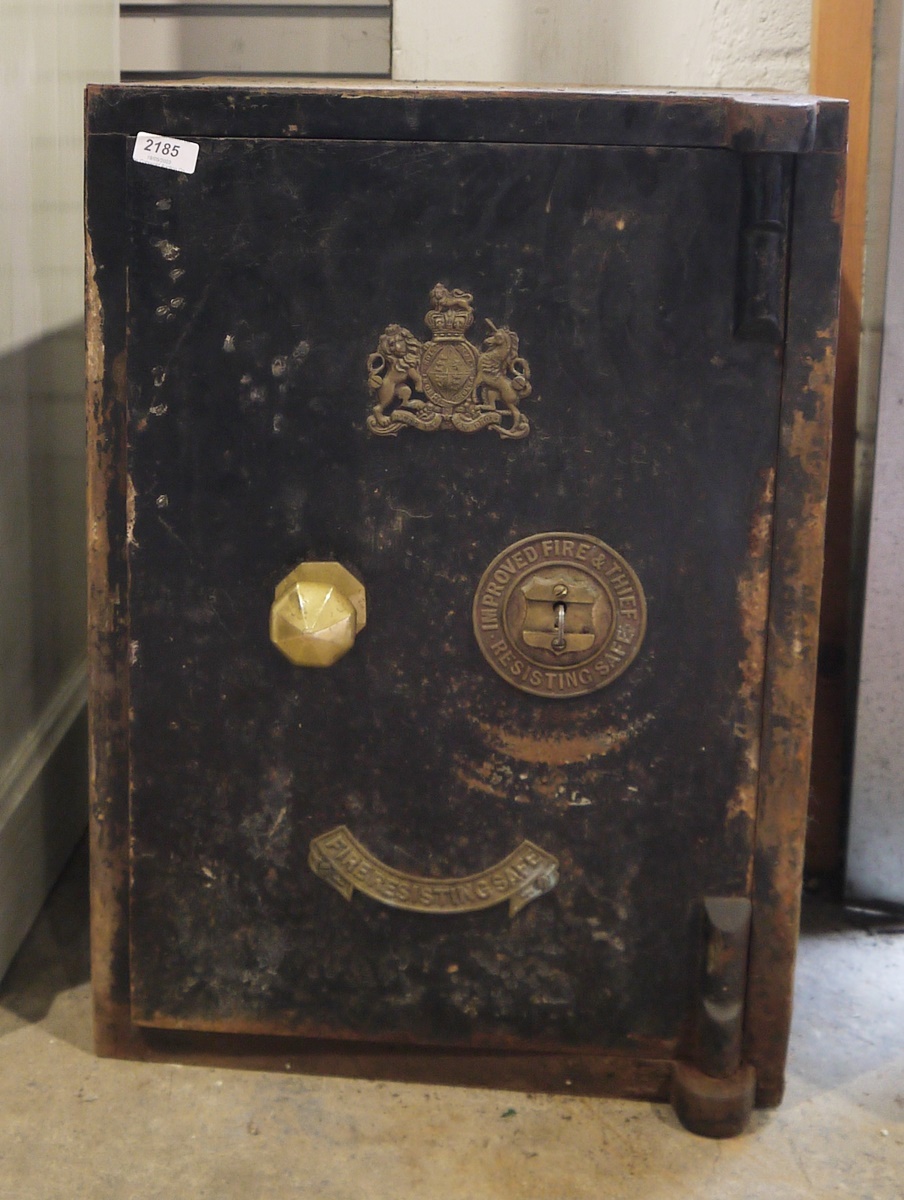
(558, 641)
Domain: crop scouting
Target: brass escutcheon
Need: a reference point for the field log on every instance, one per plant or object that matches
(340, 860)
(448, 382)
(559, 614)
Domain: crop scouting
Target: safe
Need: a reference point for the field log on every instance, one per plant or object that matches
(457, 474)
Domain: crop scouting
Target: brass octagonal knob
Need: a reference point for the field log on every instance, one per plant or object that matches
(317, 612)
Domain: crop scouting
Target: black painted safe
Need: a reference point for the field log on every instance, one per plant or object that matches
(458, 463)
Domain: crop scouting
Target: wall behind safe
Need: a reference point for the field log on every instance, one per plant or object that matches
(608, 43)
(288, 38)
(49, 50)
(875, 852)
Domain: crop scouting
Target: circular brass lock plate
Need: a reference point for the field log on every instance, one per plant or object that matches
(559, 614)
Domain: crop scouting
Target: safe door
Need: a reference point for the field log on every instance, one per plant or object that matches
(451, 471)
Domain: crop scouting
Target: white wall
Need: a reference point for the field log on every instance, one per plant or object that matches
(261, 37)
(875, 856)
(609, 43)
(49, 49)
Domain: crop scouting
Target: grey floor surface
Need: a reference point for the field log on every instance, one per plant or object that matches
(73, 1127)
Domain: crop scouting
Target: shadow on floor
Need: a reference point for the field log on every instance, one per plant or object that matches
(55, 957)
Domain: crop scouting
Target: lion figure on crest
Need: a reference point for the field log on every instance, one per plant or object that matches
(394, 365)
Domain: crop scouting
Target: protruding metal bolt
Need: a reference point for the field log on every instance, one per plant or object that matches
(558, 642)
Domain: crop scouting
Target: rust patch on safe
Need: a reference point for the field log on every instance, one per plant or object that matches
(788, 711)
(471, 780)
(795, 649)
(130, 513)
(795, 640)
(561, 749)
(340, 860)
(105, 374)
(753, 601)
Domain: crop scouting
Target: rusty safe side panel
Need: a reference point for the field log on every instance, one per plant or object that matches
(105, 310)
(794, 615)
(259, 287)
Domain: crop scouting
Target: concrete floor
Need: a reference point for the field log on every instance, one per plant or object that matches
(78, 1128)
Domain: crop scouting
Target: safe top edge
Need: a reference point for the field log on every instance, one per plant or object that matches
(362, 109)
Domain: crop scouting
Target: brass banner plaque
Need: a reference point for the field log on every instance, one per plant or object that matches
(559, 614)
(339, 859)
(448, 382)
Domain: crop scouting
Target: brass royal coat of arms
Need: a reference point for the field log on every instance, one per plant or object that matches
(448, 383)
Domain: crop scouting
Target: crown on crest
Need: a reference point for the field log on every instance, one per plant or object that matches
(452, 312)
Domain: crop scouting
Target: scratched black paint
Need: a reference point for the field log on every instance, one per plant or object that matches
(258, 286)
